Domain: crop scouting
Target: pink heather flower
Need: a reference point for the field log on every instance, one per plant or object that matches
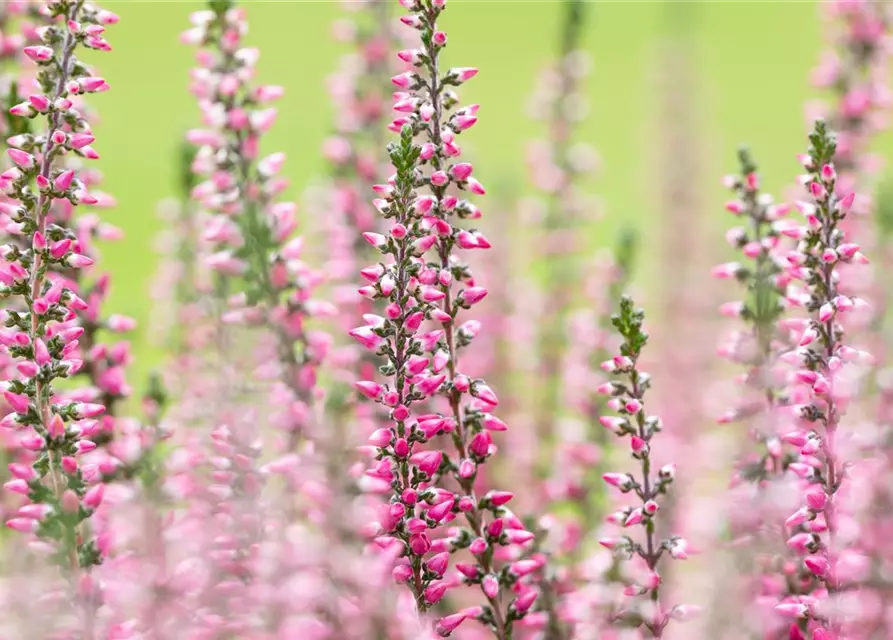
(854, 70)
(251, 230)
(54, 421)
(439, 296)
(21, 158)
(650, 485)
(824, 403)
(39, 53)
(462, 74)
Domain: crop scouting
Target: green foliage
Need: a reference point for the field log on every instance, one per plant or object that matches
(884, 208)
(629, 324)
(186, 176)
(822, 145)
(404, 155)
(220, 6)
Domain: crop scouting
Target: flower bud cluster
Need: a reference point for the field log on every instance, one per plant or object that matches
(41, 327)
(421, 279)
(252, 231)
(627, 393)
(756, 347)
(855, 70)
(824, 371)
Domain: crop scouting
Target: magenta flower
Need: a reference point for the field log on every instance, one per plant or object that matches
(646, 610)
(42, 304)
(824, 364)
(758, 346)
(854, 69)
(252, 231)
(415, 289)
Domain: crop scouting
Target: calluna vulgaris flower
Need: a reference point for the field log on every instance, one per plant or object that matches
(424, 364)
(356, 153)
(61, 493)
(581, 457)
(824, 370)
(761, 489)
(253, 231)
(627, 398)
(855, 70)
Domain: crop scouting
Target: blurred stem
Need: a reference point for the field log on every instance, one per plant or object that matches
(560, 270)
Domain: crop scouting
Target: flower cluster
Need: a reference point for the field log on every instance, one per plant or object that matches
(356, 154)
(253, 232)
(855, 70)
(825, 375)
(627, 399)
(757, 346)
(761, 493)
(424, 364)
(42, 331)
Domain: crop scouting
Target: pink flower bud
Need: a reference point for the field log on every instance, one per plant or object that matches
(817, 564)
(404, 80)
(816, 499)
(462, 123)
(80, 140)
(462, 74)
(735, 206)
(846, 203)
(445, 626)
(70, 501)
(439, 563)
(522, 568)
(21, 158)
(23, 110)
(619, 480)
(79, 261)
(435, 592)
(478, 546)
(376, 240)
(490, 586)
(93, 496)
(23, 525)
(402, 572)
(85, 446)
(483, 392)
(473, 295)
(38, 53)
(370, 389)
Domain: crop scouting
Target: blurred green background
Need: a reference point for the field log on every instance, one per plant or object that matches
(753, 61)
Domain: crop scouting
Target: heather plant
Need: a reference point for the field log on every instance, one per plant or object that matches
(627, 391)
(252, 231)
(416, 289)
(255, 495)
(355, 151)
(59, 493)
(825, 368)
(576, 508)
(534, 300)
(182, 283)
(853, 74)
(853, 70)
(761, 489)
